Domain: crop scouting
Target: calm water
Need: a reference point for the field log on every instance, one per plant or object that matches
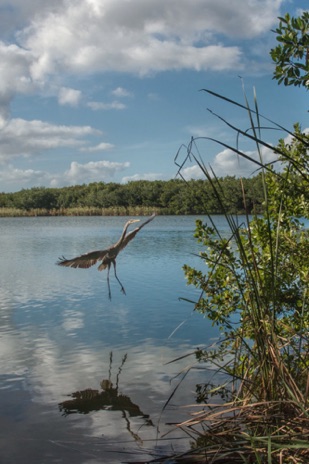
(61, 337)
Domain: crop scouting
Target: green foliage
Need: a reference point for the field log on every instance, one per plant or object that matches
(168, 197)
(290, 191)
(291, 56)
(256, 287)
(256, 291)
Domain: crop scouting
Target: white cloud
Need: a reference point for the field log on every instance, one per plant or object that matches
(19, 137)
(121, 92)
(115, 105)
(228, 163)
(16, 13)
(103, 146)
(208, 130)
(146, 176)
(136, 37)
(15, 75)
(192, 172)
(142, 37)
(11, 175)
(93, 171)
(69, 97)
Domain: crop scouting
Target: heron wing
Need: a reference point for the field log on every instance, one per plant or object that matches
(83, 261)
(132, 234)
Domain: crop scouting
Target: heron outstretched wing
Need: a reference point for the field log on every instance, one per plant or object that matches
(107, 256)
(83, 261)
(132, 234)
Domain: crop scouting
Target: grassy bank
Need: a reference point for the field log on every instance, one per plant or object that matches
(82, 211)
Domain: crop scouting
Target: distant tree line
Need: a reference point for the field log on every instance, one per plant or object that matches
(167, 197)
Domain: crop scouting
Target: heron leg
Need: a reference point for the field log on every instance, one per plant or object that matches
(122, 287)
(108, 284)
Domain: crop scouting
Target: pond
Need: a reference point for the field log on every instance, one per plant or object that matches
(85, 379)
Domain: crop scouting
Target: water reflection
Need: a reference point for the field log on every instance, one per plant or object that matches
(109, 398)
(57, 329)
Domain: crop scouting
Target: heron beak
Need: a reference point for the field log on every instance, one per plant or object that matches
(136, 220)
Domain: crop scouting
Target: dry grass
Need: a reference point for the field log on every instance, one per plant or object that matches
(264, 432)
(79, 211)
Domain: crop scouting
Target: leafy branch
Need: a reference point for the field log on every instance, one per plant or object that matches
(291, 56)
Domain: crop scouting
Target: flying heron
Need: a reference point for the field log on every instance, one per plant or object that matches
(107, 256)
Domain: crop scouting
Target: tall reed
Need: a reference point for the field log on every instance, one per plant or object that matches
(256, 291)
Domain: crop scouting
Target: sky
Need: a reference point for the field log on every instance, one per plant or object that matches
(108, 90)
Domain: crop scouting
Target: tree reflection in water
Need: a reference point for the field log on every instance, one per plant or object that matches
(108, 398)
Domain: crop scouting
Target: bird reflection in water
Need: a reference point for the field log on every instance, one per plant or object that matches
(108, 398)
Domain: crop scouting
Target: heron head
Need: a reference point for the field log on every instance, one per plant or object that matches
(134, 220)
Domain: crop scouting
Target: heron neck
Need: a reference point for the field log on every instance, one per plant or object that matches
(123, 233)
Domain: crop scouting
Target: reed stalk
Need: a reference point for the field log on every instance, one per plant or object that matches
(255, 291)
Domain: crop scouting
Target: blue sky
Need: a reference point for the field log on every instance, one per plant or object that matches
(107, 90)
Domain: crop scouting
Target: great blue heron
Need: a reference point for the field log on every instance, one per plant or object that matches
(107, 256)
